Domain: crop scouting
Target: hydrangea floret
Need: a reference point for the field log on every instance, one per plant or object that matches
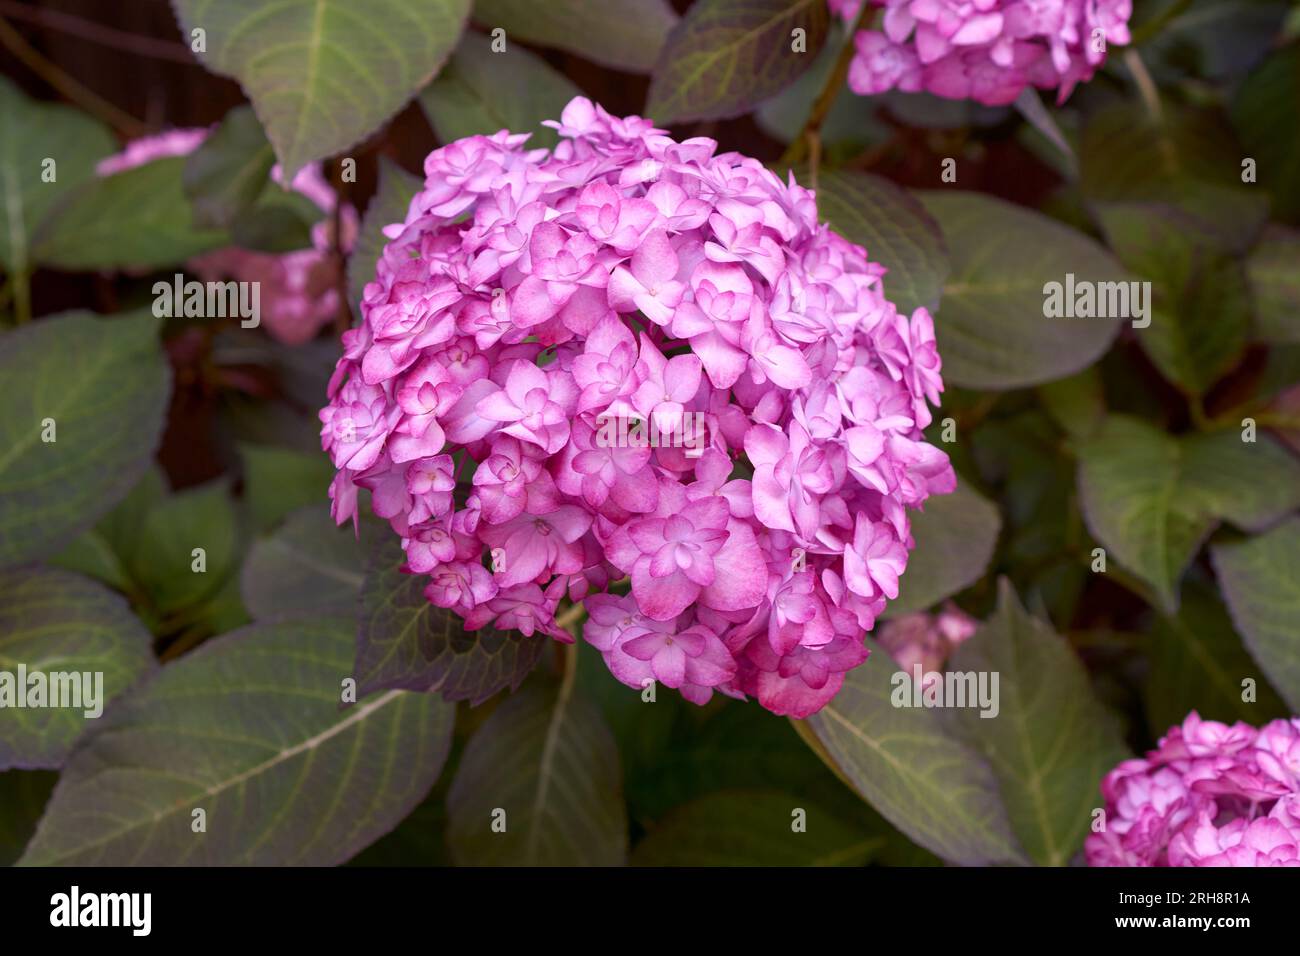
(984, 50)
(1210, 794)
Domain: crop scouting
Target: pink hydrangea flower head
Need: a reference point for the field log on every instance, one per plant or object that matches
(299, 290)
(639, 374)
(983, 50)
(1210, 794)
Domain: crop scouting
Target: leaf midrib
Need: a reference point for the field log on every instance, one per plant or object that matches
(308, 746)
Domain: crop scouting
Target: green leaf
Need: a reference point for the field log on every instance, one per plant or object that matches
(1184, 159)
(1197, 662)
(23, 795)
(1129, 477)
(225, 175)
(31, 134)
(955, 537)
(279, 480)
(1274, 272)
(122, 526)
(905, 763)
(164, 560)
(1268, 93)
(725, 56)
(104, 383)
(482, 92)
(405, 641)
(1251, 484)
(396, 189)
(623, 34)
(308, 566)
(852, 121)
(1199, 301)
(249, 729)
(754, 828)
(1214, 39)
(223, 612)
(278, 222)
(93, 556)
(1077, 404)
(546, 759)
(419, 840)
(55, 622)
(991, 325)
(894, 228)
(324, 74)
(1262, 589)
(1151, 498)
(1050, 741)
(136, 219)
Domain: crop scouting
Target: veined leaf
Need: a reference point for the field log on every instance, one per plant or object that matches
(1263, 593)
(84, 400)
(725, 56)
(137, 219)
(622, 34)
(324, 74)
(307, 566)
(894, 228)
(58, 623)
(1050, 741)
(539, 785)
(248, 729)
(405, 641)
(32, 137)
(1151, 498)
(482, 92)
(992, 324)
(903, 761)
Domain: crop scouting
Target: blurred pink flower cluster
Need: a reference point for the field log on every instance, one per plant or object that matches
(299, 289)
(983, 50)
(633, 359)
(1208, 795)
(926, 640)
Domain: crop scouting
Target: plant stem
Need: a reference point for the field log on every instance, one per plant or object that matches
(809, 141)
(1146, 86)
(99, 33)
(572, 616)
(88, 100)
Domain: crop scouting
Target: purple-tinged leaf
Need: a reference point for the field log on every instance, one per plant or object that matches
(725, 56)
(403, 641)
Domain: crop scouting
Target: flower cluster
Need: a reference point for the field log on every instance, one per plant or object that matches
(638, 374)
(1209, 795)
(984, 50)
(926, 640)
(299, 289)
